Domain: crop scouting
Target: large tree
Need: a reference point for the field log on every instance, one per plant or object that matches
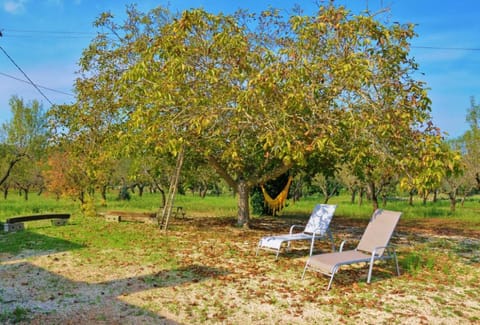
(257, 94)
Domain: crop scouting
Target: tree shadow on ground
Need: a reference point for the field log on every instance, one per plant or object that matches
(44, 296)
(23, 244)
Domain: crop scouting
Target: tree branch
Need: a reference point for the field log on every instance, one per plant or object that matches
(10, 167)
(272, 175)
(222, 172)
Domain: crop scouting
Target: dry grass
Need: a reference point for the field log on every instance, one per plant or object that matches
(206, 271)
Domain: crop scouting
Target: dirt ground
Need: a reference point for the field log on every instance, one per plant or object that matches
(219, 280)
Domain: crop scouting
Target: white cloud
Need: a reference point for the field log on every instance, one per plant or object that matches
(14, 6)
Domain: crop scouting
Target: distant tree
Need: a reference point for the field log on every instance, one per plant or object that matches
(6, 186)
(452, 182)
(27, 177)
(87, 139)
(329, 185)
(349, 181)
(65, 177)
(200, 179)
(24, 138)
(425, 169)
(471, 141)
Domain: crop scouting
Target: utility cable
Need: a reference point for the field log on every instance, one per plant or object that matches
(441, 48)
(39, 86)
(26, 76)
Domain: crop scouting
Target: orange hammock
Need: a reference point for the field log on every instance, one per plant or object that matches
(277, 203)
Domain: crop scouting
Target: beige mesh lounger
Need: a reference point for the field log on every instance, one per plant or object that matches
(316, 228)
(372, 246)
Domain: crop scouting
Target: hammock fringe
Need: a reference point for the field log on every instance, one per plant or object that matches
(277, 203)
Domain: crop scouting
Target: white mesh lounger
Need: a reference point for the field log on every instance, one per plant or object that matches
(316, 228)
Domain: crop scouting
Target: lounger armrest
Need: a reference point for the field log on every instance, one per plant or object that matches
(374, 252)
(317, 235)
(293, 227)
(340, 249)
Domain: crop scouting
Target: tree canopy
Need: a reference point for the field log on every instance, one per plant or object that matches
(256, 94)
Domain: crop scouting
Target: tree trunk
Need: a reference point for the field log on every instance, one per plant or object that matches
(140, 189)
(425, 198)
(11, 164)
(243, 204)
(296, 190)
(410, 198)
(453, 201)
(243, 187)
(452, 195)
(162, 194)
(373, 194)
(104, 193)
(81, 197)
(353, 193)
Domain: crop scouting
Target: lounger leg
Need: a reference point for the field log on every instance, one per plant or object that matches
(370, 268)
(331, 277)
(396, 262)
(305, 269)
(330, 282)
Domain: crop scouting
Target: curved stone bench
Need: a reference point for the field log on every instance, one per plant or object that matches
(17, 223)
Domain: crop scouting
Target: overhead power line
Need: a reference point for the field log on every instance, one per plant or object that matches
(50, 32)
(39, 86)
(26, 76)
(441, 48)
(47, 33)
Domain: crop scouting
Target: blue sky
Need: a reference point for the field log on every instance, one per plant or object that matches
(45, 38)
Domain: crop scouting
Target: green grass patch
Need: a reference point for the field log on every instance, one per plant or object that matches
(17, 315)
(17, 242)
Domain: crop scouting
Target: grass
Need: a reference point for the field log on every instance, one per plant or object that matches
(204, 270)
(15, 316)
(226, 205)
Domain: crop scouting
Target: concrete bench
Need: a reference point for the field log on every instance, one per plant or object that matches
(146, 217)
(118, 216)
(17, 223)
